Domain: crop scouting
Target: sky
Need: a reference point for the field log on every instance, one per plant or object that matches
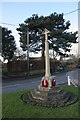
(17, 12)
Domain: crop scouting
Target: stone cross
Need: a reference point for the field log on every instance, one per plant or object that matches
(47, 60)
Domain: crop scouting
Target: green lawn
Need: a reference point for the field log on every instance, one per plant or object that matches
(13, 107)
(0, 105)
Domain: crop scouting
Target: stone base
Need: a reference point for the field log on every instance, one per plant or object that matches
(54, 97)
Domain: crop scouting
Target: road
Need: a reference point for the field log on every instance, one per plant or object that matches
(18, 85)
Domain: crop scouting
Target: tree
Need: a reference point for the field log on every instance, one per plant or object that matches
(8, 44)
(59, 39)
(0, 39)
(19, 55)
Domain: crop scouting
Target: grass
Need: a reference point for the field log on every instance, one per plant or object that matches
(13, 107)
(0, 105)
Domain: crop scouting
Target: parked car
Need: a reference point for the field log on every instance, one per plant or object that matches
(60, 68)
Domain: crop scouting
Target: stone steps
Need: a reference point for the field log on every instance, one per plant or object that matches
(53, 98)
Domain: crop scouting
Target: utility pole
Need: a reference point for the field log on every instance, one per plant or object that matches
(27, 51)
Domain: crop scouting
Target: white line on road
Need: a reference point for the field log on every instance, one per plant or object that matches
(16, 85)
(10, 85)
(35, 81)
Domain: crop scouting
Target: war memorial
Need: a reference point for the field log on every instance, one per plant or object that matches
(48, 94)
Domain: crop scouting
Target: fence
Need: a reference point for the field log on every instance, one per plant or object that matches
(36, 66)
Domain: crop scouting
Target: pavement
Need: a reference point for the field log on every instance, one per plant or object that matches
(75, 77)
